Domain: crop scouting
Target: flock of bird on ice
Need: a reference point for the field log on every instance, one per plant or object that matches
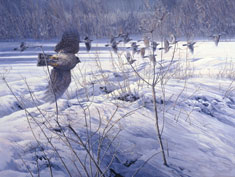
(65, 59)
(124, 37)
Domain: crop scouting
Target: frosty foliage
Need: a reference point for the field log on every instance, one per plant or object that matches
(48, 19)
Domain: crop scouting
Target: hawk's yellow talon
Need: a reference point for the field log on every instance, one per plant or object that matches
(54, 64)
(54, 57)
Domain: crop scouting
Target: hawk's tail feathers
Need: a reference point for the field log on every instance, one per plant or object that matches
(58, 84)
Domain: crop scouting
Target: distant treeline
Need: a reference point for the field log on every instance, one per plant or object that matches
(43, 19)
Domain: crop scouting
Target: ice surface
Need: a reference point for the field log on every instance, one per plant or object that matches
(197, 106)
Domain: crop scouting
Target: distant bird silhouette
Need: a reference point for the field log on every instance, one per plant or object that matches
(113, 38)
(129, 58)
(146, 41)
(190, 46)
(142, 52)
(173, 39)
(113, 43)
(154, 45)
(166, 46)
(87, 43)
(216, 39)
(22, 47)
(152, 58)
(114, 46)
(62, 62)
(134, 47)
(126, 38)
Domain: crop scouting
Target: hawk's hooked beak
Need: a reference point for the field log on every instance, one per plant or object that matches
(78, 60)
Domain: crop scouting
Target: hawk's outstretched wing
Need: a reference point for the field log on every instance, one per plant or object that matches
(69, 42)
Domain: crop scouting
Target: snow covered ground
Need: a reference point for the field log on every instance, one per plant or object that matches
(196, 104)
